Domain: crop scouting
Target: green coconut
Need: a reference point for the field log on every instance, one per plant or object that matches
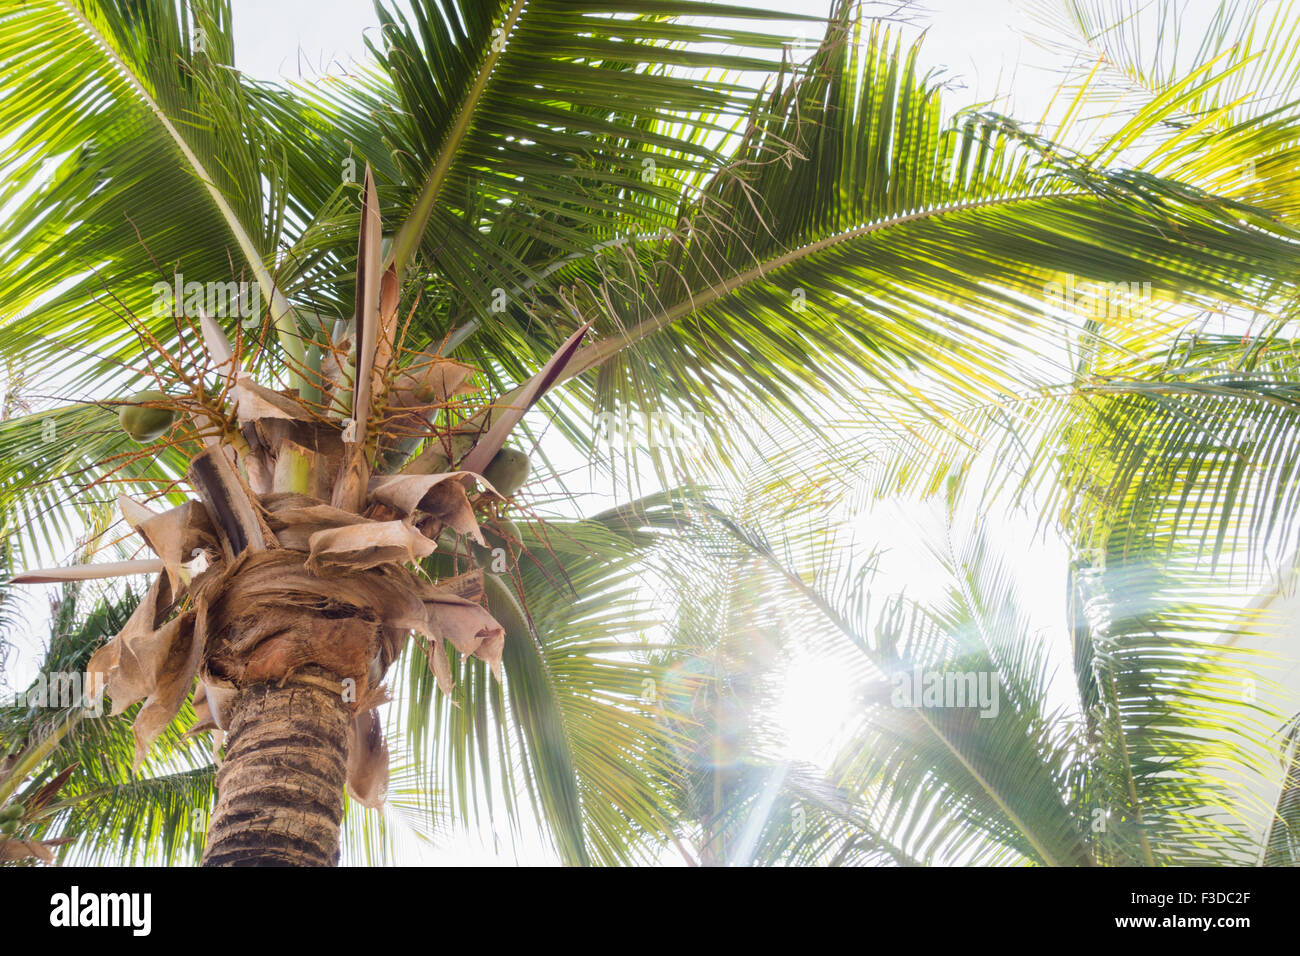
(507, 471)
(142, 423)
(434, 460)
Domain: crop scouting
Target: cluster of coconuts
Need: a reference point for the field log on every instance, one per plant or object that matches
(142, 419)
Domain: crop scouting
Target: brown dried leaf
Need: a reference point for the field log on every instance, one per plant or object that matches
(167, 661)
(350, 488)
(491, 650)
(393, 639)
(367, 759)
(173, 535)
(172, 683)
(211, 704)
(468, 586)
(452, 613)
(256, 402)
(438, 664)
(88, 572)
(101, 664)
(13, 849)
(294, 527)
(135, 513)
(285, 500)
(465, 623)
(228, 501)
(123, 679)
(448, 504)
(203, 720)
(150, 663)
(366, 545)
(440, 496)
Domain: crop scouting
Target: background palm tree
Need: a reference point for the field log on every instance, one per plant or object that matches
(1137, 760)
(116, 817)
(1163, 457)
(780, 238)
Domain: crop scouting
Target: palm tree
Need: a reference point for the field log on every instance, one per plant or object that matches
(731, 230)
(83, 788)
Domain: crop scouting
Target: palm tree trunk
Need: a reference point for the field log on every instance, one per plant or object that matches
(280, 789)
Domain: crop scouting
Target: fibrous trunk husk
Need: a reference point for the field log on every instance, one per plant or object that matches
(280, 788)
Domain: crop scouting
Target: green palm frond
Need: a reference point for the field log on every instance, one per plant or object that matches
(531, 104)
(140, 109)
(569, 737)
(1281, 846)
(920, 249)
(1169, 712)
(160, 819)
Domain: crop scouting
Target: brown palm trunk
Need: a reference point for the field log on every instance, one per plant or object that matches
(280, 789)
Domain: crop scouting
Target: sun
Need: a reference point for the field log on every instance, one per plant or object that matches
(814, 705)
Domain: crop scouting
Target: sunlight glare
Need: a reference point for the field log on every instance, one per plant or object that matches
(815, 703)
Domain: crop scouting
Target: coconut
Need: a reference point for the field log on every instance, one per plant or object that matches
(507, 471)
(142, 423)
